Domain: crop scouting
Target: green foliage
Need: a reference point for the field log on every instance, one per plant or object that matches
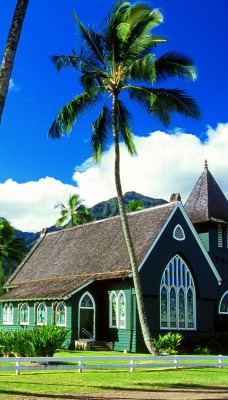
(213, 343)
(135, 205)
(119, 58)
(109, 208)
(74, 213)
(38, 342)
(168, 343)
(12, 251)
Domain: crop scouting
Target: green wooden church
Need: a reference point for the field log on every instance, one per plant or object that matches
(80, 278)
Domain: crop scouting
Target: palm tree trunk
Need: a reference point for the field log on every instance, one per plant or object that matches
(10, 50)
(127, 235)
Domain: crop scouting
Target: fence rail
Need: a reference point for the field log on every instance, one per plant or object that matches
(81, 363)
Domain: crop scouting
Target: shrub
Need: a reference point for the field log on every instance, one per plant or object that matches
(213, 343)
(168, 343)
(41, 341)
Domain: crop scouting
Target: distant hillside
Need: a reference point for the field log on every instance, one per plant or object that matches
(109, 208)
(105, 209)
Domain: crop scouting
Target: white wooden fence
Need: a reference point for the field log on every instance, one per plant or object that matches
(81, 363)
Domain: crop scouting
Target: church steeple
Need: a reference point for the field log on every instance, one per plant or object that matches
(207, 201)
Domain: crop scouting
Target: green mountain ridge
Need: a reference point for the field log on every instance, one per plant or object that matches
(102, 210)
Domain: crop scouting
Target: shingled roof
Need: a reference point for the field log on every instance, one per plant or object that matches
(64, 261)
(207, 201)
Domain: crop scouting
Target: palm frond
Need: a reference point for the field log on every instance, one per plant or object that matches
(111, 37)
(162, 102)
(124, 127)
(65, 61)
(143, 69)
(173, 64)
(91, 83)
(143, 22)
(68, 115)
(101, 129)
(143, 46)
(93, 40)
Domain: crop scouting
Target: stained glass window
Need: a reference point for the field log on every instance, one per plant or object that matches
(10, 314)
(24, 314)
(173, 308)
(60, 314)
(177, 296)
(86, 302)
(117, 310)
(5, 314)
(190, 308)
(223, 307)
(122, 310)
(41, 313)
(164, 310)
(113, 306)
(181, 308)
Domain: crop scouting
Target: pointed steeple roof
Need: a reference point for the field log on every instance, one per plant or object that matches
(207, 201)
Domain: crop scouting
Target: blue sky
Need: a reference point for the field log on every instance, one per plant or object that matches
(36, 172)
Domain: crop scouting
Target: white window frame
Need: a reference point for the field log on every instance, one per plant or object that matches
(56, 314)
(178, 276)
(22, 322)
(178, 233)
(222, 312)
(119, 324)
(37, 314)
(111, 325)
(8, 314)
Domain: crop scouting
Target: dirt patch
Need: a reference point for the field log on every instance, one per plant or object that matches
(168, 394)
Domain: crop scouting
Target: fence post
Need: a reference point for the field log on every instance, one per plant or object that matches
(17, 365)
(80, 365)
(132, 369)
(175, 360)
(220, 361)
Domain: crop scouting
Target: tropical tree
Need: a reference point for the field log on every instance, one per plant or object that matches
(74, 213)
(10, 50)
(12, 250)
(119, 59)
(134, 205)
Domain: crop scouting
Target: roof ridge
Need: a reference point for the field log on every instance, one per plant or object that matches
(83, 226)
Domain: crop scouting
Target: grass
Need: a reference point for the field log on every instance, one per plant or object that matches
(41, 383)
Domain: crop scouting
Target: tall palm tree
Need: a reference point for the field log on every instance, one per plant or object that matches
(10, 50)
(116, 59)
(12, 249)
(74, 212)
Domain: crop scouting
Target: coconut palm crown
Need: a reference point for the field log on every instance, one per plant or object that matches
(74, 213)
(118, 59)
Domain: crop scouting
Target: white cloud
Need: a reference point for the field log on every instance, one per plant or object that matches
(165, 164)
(30, 206)
(13, 86)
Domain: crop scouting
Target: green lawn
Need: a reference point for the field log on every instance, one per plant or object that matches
(31, 383)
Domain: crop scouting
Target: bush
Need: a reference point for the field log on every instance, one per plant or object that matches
(41, 341)
(213, 343)
(168, 343)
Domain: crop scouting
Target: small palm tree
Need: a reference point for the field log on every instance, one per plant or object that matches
(134, 205)
(74, 213)
(119, 59)
(10, 50)
(12, 250)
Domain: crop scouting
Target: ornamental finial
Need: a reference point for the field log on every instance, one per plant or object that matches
(206, 165)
